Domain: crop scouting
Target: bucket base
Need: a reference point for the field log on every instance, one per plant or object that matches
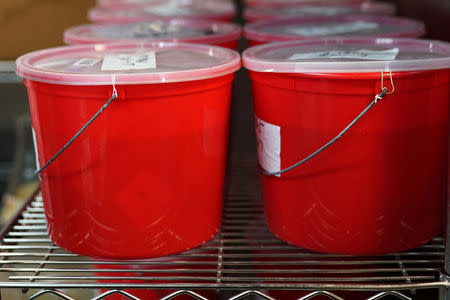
(136, 256)
(366, 250)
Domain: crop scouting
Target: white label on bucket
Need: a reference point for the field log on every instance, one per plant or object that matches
(332, 29)
(87, 62)
(268, 138)
(122, 62)
(389, 54)
(36, 155)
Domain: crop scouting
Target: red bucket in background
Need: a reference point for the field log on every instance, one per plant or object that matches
(290, 29)
(319, 9)
(363, 194)
(281, 3)
(125, 4)
(146, 179)
(194, 9)
(187, 31)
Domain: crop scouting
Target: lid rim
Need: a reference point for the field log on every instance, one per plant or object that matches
(269, 3)
(26, 70)
(256, 14)
(120, 4)
(74, 35)
(111, 16)
(117, 82)
(255, 32)
(253, 63)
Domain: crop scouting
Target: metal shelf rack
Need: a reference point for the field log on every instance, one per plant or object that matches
(7, 74)
(243, 261)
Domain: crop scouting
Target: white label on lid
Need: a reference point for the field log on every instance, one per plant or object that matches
(331, 29)
(36, 154)
(87, 62)
(389, 54)
(154, 29)
(129, 62)
(268, 138)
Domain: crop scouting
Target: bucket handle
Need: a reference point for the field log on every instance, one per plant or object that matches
(91, 120)
(384, 92)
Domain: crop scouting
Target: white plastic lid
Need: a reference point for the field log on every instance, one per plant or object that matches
(127, 63)
(348, 55)
(217, 10)
(279, 3)
(320, 9)
(189, 31)
(314, 27)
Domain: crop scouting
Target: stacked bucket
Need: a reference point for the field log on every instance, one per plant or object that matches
(351, 119)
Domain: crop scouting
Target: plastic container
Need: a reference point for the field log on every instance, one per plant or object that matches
(125, 4)
(338, 26)
(146, 178)
(280, 3)
(381, 187)
(188, 31)
(254, 14)
(190, 9)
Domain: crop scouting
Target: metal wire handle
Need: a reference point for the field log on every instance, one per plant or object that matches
(113, 97)
(384, 91)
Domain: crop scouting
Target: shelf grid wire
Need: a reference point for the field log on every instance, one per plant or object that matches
(244, 256)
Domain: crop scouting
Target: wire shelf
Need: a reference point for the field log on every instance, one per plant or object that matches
(243, 256)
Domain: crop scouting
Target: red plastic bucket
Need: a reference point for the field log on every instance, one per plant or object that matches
(289, 29)
(188, 31)
(381, 187)
(254, 14)
(280, 3)
(193, 9)
(146, 178)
